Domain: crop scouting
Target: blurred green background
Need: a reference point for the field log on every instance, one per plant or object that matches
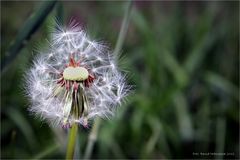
(182, 58)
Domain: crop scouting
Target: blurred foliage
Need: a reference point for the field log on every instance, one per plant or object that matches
(183, 59)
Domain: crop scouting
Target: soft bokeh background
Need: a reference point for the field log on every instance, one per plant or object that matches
(182, 57)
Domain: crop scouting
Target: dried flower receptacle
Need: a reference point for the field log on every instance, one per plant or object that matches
(70, 85)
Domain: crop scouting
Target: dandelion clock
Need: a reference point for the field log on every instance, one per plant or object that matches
(74, 80)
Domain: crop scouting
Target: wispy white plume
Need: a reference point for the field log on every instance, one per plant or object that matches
(64, 99)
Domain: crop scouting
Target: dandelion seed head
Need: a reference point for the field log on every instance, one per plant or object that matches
(75, 80)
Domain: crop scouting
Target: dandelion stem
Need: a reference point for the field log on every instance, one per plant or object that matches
(120, 40)
(72, 141)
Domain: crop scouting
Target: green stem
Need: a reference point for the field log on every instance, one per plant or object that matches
(72, 141)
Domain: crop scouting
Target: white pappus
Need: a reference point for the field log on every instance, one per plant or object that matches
(75, 80)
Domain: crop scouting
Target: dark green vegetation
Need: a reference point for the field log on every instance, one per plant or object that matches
(182, 57)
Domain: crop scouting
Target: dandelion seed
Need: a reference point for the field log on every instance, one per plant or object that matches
(75, 81)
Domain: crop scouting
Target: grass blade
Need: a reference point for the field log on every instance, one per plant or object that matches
(223, 84)
(22, 123)
(24, 34)
(121, 37)
(184, 119)
(48, 151)
(124, 28)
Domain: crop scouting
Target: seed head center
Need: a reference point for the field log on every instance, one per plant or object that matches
(75, 73)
